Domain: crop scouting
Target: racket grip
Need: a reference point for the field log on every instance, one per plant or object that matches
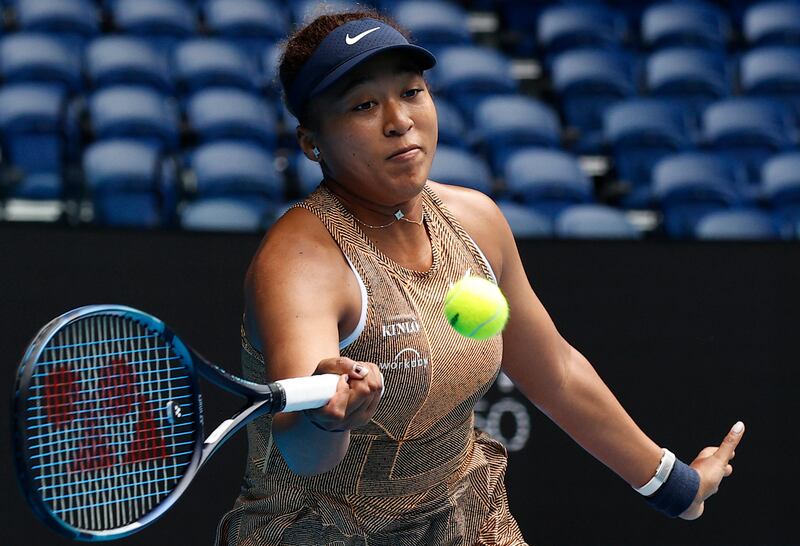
(309, 392)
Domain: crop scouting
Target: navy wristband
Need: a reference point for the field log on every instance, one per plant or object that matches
(678, 492)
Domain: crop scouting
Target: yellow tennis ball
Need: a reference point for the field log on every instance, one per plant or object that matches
(476, 308)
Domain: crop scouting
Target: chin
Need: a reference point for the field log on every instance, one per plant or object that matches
(402, 189)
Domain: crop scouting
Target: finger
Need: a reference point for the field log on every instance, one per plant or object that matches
(337, 365)
(359, 370)
(707, 452)
(337, 405)
(728, 445)
(369, 411)
(728, 470)
(360, 396)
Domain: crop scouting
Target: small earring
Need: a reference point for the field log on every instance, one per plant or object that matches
(316, 152)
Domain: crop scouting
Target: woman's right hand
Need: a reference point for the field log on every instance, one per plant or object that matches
(357, 395)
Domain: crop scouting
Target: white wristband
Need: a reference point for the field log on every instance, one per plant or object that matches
(662, 473)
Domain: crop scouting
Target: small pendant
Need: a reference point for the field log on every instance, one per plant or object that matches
(399, 214)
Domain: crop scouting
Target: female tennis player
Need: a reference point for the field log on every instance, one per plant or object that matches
(352, 280)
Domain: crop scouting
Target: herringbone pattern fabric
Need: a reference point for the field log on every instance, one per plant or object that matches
(418, 473)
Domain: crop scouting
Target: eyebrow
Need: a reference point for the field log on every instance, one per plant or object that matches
(355, 82)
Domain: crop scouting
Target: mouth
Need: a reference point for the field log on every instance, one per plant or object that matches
(407, 152)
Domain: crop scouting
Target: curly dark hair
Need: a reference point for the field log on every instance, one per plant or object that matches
(301, 44)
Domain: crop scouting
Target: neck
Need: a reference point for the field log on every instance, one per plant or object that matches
(378, 214)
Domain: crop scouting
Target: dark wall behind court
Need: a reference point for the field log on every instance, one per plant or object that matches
(690, 337)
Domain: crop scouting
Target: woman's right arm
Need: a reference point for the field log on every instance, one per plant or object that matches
(298, 291)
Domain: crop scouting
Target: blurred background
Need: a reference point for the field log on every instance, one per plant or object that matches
(645, 154)
(629, 119)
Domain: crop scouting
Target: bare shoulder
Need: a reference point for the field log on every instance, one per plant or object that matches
(299, 270)
(466, 203)
(297, 244)
(480, 216)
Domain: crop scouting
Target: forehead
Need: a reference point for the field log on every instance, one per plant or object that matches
(390, 63)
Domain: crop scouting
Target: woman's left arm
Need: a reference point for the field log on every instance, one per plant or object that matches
(562, 383)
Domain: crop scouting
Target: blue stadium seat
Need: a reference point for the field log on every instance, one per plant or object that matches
(749, 129)
(226, 214)
(126, 111)
(507, 123)
(549, 180)
(452, 126)
(72, 21)
(34, 57)
(466, 74)
(231, 114)
(304, 11)
(32, 131)
(433, 24)
(689, 185)
(251, 24)
(129, 183)
(525, 222)
(694, 77)
(772, 23)
(780, 186)
(594, 222)
(587, 82)
(640, 132)
(162, 22)
(117, 59)
(685, 22)
(736, 225)
(235, 169)
(579, 25)
(211, 62)
(519, 18)
(308, 173)
(772, 72)
(461, 168)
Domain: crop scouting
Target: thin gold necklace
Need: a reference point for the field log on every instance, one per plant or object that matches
(398, 216)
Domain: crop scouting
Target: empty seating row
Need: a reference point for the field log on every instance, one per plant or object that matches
(252, 24)
(548, 28)
(132, 184)
(588, 81)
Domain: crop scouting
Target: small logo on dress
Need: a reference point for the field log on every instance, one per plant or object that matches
(400, 328)
(406, 359)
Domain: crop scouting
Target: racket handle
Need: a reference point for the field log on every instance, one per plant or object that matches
(309, 392)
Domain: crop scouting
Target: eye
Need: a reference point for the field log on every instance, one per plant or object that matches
(364, 106)
(411, 93)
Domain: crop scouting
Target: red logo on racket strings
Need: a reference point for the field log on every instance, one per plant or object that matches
(118, 397)
(60, 395)
(118, 387)
(148, 443)
(95, 451)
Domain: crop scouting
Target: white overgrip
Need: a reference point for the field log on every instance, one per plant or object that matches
(309, 392)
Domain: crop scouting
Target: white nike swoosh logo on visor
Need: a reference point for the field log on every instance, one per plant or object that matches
(356, 38)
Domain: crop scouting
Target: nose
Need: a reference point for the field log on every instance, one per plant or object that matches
(397, 120)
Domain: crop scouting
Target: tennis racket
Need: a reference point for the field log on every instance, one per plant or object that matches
(108, 419)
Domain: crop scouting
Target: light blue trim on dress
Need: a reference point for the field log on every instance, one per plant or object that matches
(362, 321)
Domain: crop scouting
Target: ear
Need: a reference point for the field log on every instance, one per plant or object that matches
(305, 138)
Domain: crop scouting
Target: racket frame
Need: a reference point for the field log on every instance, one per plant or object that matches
(261, 399)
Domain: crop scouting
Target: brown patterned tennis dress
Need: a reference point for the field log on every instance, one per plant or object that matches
(418, 473)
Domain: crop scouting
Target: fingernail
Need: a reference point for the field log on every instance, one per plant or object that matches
(360, 370)
(738, 427)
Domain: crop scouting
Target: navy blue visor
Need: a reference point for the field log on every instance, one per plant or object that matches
(342, 50)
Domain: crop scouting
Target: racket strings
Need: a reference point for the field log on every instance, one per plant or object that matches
(107, 449)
